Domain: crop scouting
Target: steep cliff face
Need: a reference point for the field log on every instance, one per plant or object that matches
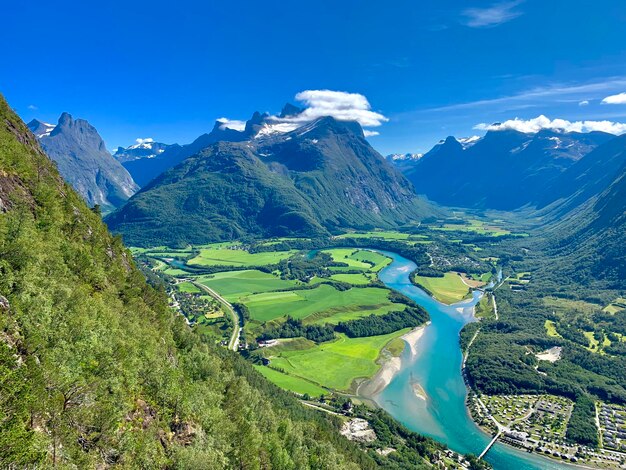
(84, 162)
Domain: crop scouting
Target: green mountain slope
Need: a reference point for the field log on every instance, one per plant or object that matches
(94, 369)
(321, 177)
(589, 242)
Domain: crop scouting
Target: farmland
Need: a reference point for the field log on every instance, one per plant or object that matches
(335, 364)
(320, 289)
(300, 298)
(447, 289)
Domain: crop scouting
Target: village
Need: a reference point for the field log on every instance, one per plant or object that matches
(612, 421)
(538, 423)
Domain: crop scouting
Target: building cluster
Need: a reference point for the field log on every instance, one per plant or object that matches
(613, 426)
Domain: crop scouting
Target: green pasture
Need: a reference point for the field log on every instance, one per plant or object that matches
(338, 363)
(290, 382)
(354, 279)
(386, 235)
(223, 256)
(302, 303)
(447, 289)
(551, 329)
(188, 287)
(234, 284)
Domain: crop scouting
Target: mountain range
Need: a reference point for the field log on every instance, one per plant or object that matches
(319, 178)
(84, 162)
(259, 125)
(144, 148)
(505, 169)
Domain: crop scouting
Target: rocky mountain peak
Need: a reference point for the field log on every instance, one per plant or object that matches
(289, 110)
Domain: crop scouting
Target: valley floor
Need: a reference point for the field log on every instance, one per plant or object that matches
(294, 297)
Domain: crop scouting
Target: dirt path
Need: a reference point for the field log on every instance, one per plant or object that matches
(495, 306)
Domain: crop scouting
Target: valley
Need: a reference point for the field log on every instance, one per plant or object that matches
(295, 297)
(313, 236)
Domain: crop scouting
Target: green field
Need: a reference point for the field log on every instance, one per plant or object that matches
(359, 259)
(302, 303)
(223, 256)
(355, 279)
(289, 382)
(335, 316)
(551, 329)
(299, 364)
(474, 225)
(386, 235)
(338, 363)
(234, 284)
(616, 306)
(188, 287)
(484, 309)
(448, 289)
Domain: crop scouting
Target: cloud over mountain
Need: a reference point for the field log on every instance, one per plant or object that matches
(340, 105)
(232, 124)
(530, 126)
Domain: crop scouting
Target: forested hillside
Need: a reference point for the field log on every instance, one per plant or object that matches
(317, 179)
(95, 370)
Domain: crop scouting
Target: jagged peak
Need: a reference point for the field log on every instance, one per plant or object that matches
(289, 110)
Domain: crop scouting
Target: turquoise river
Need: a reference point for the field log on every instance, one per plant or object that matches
(437, 368)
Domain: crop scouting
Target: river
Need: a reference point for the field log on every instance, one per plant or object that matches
(437, 368)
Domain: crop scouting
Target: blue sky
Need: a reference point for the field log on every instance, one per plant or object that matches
(167, 70)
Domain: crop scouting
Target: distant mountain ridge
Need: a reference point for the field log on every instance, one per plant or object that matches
(260, 124)
(144, 148)
(403, 161)
(505, 169)
(84, 162)
(313, 180)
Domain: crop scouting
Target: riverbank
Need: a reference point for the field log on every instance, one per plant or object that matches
(443, 415)
(391, 365)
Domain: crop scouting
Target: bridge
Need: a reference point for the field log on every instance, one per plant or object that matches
(493, 441)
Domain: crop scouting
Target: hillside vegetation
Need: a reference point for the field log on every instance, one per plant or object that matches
(95, 370)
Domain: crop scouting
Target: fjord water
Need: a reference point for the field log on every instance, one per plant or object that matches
(437, 368)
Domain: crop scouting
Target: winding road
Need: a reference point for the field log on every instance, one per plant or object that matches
(233, 344)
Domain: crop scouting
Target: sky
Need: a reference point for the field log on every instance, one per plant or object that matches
(411, 71)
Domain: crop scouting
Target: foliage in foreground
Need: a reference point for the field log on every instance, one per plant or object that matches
(95, 370)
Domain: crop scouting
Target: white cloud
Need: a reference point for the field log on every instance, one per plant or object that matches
(341, 105)
(232, 124)
(147, 140)
(620, 98)
(530, 126)
(32, 107)
(538, 96)
(494, 15)
(583, 103)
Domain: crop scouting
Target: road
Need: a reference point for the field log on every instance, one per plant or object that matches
(233, 344)
(495, 306)
(469, 345)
